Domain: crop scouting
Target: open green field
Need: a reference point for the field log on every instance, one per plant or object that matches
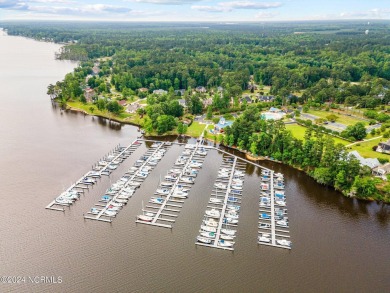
(195, 129)
(347, 120)
(299, 132)
(365, 149)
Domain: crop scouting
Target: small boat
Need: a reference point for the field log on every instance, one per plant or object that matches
(236, 187)
(213, 213)
(211, 223)
(223, 175)
(281, 203)
(230, 221)
(203, 239)
(233, 207)
(264, 239)
(63, 200)
(162, 191)
(201, 152)
(215, 200)
(227, 237)
(231, 215)
(133, 183)
(175, 171)
(168, 143)
(94, 174)
(179, 193)
(158, 200)
(228, 232)
(166, 184)
(224, 243)
(264, 186)
(208, 234)
(232, 199)
(170, 177)
(152, 163)
(264, 226)
(87, 181)
(110, 213)
(283, 242)
(120, 200)
(282, 223)
(106, 198)
(95, 211)
(208, 229)
(142, 174)
(189, 180)
(190, 146)
(112, 166)
(265, 216)
(220, 186)
(113, 209)
(144, 218)
(116, 204)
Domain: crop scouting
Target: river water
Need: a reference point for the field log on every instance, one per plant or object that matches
(339, 244)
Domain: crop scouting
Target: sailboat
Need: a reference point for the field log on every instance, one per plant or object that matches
(144, 217)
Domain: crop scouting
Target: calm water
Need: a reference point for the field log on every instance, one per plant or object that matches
(340, 245)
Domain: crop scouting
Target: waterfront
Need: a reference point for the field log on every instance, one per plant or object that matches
(339, 244)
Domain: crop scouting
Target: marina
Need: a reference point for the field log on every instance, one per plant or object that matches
(273, 220)
(104, 166)
(119, 193)
(172, 192)
(221, 218)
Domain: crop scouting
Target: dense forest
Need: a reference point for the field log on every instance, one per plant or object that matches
(304, 65)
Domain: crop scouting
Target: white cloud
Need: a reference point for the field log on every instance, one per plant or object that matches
(165, 2)
(210, 8)
(250, 5)
(372, 13)
(233, 5)
(266, 15)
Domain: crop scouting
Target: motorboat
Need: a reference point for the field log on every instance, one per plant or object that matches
(264, 226)
(163, 191)
(63, 200)
(142, 175)
(213, 213)
(189, 146)
(231, 215)
(228, 232)
(232, 199)
(281, 203)
(170, 177)
(208, 234)
(284, 242)
(95, 211)
(264, 186)
(112, 166)
(233, 207)
(282, 223)
(203, 239)
(94, 174)
(265, 216)
(187, 152)
(110, 213)
(227, 237)
(183, 188)
(236, 187)
(152, 163)
(215, 200)
(223, 175)
(201, 152)
(144, 218)
(180, 193)
(208, 229)
(230, 220)
(189, 180)
(106, 198)
(113, 209)
(175, 171)
(87, 181)
(225, 243)
(116, 204)
(279, 186)
(166, 184)
(134, 184)
(211, 223)
(264, 239)
(220, 186)
(158, 200)
(121, 200)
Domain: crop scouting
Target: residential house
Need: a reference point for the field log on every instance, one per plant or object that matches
(88, 94)
(183, 103)
(246, 98)
(207, 102)
(382, 170)
(262, 98)
(220, 89)
(143, 90)
(123, 103)
(95, 69)
(201, 89)
(180, 92)
(384, 147)
(369, 162)
(133, 107)
(275, 110)
(160, 92)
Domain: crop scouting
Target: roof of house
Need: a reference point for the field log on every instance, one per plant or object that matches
(122, 102)
(370, 162)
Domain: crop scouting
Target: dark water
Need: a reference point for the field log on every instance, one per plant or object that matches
(340, 245)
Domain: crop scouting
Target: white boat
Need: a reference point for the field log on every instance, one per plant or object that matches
(180, 196)
(201, 152)
(213, 213)
(282, 223)
(281, 203)
(170, 177)
(190, 146)
(236, 187)
(144, 218)
(95, 211)
(208, 234)
(162, 191)
(203, 239)
(94, 174)
(264, 239)
(166, 184)
(110, 213)
(134, 183)
(283, 242)
(227, 237)
(116, 204)
(175, 171)
(211, 223)
(264, 186)
(113, 209)
(228, 232)
(87, 181)
(231, 215)
(220, 185)
(187, 152)
(264, 226)
(158, 200)
(63, 200)
(182, 188)
(224, 243)
(230, 221)
(215, 200)
(189, 180)
(233, 207)
(142, 174)
(208, 229)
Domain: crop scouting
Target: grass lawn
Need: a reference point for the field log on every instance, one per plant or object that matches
(347, 120)
(365, 149)
(299, 132)
(195, 129)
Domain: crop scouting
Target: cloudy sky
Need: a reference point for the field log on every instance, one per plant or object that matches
(194, 10)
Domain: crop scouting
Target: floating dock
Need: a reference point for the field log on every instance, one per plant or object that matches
(103, 167)
(170, 201)
(110, 205)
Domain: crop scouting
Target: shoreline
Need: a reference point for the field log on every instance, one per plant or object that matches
(245, 153)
